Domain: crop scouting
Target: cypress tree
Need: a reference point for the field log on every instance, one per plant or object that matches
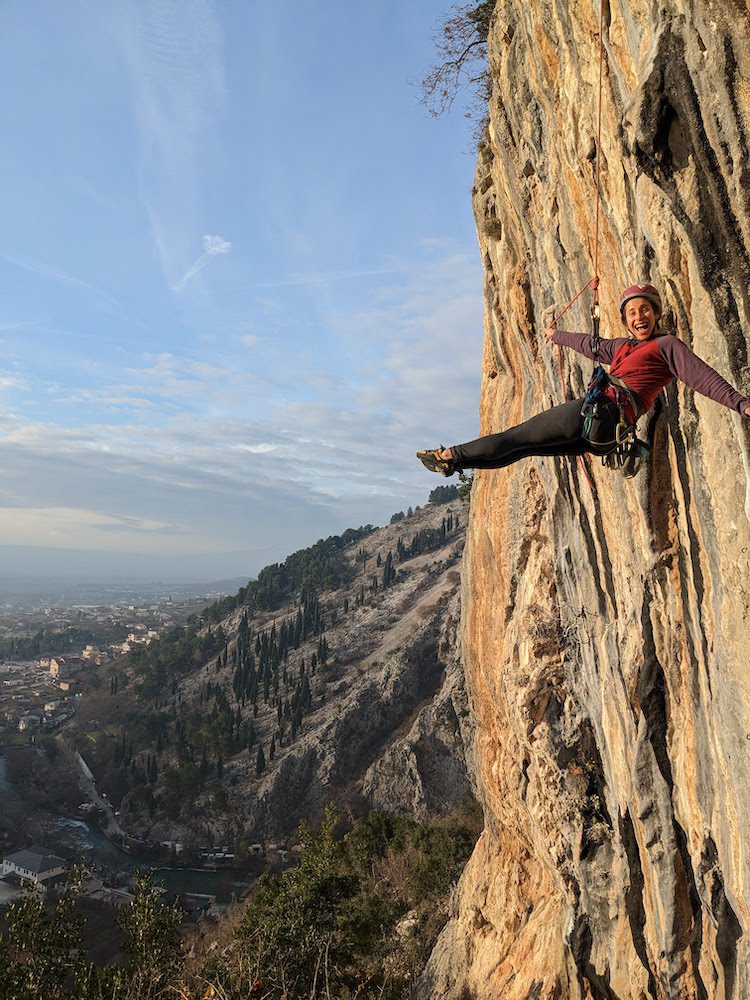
(260, 762)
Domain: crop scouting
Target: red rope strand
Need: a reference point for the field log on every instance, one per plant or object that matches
(599, 139)
(575, 298)
(595, 279)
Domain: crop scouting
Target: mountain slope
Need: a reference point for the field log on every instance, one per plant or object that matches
(332, 666)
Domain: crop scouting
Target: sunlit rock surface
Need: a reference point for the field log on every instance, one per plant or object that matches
(605, 632)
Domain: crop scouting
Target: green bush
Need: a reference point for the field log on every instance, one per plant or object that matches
(331, 927)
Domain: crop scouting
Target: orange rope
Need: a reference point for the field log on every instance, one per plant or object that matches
(575, 298)
(599, 138)
(598, 176)
(595, 279)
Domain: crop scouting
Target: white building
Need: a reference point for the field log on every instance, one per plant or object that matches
(36, 865)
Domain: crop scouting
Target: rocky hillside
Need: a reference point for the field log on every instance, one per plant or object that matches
(288, 696)
(606, 630)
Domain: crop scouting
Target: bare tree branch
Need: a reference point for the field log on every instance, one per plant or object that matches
(461, 44)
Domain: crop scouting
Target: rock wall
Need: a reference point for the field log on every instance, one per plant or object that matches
(605, 630)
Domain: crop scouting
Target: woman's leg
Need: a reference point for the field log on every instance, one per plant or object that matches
(553, 432)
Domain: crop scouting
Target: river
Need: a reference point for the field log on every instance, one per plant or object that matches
(72, 838)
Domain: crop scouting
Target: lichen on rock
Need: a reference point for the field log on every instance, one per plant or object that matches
(605, 631)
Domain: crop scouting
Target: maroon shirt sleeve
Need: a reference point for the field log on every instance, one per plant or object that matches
(689, 368)
(582, 343)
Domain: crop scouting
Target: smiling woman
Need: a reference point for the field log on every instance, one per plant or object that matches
(641, 365)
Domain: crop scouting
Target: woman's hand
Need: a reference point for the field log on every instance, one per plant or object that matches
(550, 323)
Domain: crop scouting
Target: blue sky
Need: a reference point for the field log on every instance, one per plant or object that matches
(240, 284)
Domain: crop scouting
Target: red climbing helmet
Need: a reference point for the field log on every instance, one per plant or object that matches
(641, 292)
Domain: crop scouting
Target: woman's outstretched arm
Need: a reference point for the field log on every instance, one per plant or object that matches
(583, 343)
(690, 369)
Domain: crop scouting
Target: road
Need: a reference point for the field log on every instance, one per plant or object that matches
(88, 786)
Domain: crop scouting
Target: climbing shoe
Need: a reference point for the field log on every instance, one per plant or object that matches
(431, 460)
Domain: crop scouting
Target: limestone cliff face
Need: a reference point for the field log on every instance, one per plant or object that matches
(606, 632)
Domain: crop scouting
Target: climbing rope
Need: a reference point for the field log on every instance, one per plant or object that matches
(599, 147)
(594, 280)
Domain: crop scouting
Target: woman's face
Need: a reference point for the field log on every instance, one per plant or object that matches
(640, 318)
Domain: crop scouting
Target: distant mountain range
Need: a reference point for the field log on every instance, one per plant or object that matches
(44, 562)
(62, 591)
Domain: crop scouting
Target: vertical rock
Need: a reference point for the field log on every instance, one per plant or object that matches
(605, 630)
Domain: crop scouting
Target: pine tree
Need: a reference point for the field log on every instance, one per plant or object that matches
(272, 751)
(389, 573)
(305, 695)
(260, 762)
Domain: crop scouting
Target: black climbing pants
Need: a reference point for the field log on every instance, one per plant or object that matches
(553, 432)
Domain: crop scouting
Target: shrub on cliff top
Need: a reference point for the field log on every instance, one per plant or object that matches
(461, 43)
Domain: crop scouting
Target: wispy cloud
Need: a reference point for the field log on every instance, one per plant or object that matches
(174, 52)
(256, 449)
(8, 381)
(58, 275)
(320, 279)
(281, 435)
(212, 247)
(71, 527)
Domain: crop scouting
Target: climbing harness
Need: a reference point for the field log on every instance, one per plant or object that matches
(626, 451)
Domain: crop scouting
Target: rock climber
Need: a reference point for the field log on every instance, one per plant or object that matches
(642, 363)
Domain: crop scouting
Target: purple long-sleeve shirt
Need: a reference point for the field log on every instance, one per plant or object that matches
(647, 366)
